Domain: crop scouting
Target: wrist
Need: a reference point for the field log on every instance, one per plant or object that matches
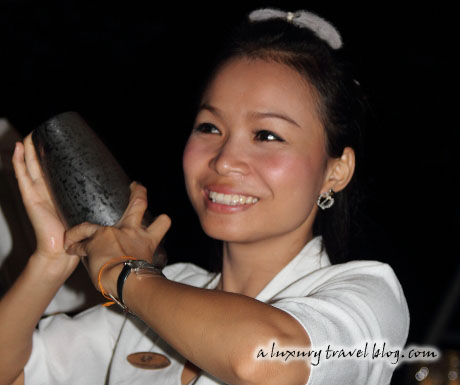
(48, 273)
(109, 277)
(123, 270)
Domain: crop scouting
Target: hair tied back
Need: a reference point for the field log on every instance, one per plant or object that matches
(302, 19)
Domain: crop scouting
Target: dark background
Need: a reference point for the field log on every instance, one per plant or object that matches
(131, 71)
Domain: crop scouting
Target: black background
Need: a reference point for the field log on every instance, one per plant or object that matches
(131, 71)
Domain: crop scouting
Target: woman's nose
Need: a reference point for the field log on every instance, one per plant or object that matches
(231, 158)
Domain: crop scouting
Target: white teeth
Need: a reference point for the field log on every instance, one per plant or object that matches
(231, 199)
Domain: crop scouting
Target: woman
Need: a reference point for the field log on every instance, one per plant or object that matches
(273, 145)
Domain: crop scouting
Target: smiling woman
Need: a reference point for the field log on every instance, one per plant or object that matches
(258, 134)
(273, 147)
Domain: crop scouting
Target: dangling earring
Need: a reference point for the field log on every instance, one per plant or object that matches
(326, 199)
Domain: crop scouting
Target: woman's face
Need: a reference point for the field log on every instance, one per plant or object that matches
(255, 161)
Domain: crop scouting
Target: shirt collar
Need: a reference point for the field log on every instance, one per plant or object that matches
(311, 258)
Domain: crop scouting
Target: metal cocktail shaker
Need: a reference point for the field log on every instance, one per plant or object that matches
(84, 179)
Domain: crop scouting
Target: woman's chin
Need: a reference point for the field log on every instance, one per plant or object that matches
(227, 232)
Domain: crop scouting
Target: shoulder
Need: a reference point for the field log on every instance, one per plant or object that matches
(362, 299)
(372, 281)
(347, 306)
(356, 274)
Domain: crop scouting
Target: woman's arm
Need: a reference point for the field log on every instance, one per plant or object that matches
(47, 269)
(217, 331)
(20, 310)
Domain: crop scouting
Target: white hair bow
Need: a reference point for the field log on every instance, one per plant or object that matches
(303, 19)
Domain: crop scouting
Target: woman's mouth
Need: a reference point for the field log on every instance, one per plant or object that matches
(231, 199)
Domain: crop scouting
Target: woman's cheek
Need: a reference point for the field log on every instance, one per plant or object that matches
(297, 174)
(190, 166)
(284, 166)
(191, 157)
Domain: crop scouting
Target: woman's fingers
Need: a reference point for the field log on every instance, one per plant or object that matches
(159, 228)
(134, 213)
(20, 169)
(25, 164)
(32, 162)
(74, 236)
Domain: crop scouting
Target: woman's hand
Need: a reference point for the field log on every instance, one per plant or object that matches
(98, 244)
(48, 227)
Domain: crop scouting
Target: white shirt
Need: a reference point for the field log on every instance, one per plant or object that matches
(340, 305)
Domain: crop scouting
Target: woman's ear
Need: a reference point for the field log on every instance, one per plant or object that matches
(340, 171)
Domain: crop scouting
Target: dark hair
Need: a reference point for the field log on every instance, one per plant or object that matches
(341, 104)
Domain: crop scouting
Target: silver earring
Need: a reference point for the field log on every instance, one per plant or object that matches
(326, 199)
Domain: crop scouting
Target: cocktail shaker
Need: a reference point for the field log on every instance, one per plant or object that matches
(85, 181)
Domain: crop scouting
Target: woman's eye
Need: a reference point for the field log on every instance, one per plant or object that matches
(207, 128)
(267, 136)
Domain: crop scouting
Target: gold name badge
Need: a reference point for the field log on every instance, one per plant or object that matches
(148, 360)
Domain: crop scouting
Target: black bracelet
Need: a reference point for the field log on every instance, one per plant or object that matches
(140, 268)
(121, 282)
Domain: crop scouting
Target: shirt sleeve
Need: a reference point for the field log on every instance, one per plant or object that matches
(65, 349)
(351, 305)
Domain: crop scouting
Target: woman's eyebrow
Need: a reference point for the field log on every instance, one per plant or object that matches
(261, 115)
(254, 114)
(205, 106)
